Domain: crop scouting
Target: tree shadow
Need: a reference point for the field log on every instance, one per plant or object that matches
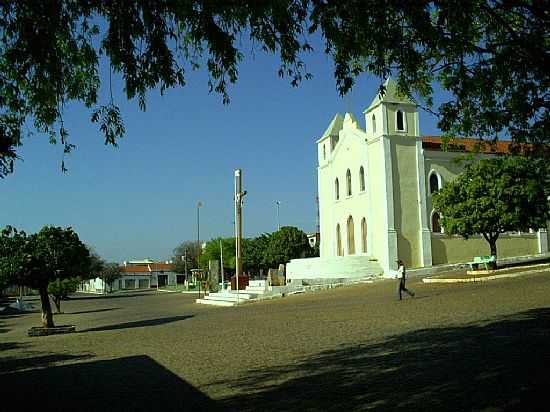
(113, 296)
(13, 364)
(5, 346)
(139, 323)
(90, 311)
(135, 383)
(498, 366)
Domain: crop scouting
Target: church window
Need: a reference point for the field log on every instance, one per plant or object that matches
(351, 238)
(324, 152)
(364, 235)
(339, 251)
(361, 179)
(400, 120)
(436, 226)
(348, 183)
(435, 182)
(336, 189)
(373, 124)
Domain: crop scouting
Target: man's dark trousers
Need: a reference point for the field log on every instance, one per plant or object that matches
(402, 288)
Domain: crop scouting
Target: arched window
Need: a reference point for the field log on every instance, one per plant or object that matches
(339, 251)
(324, 152)
(400, 120)
(373, 124)
(351, 237)
(348, 183)
(336, 189)
(361, 179)
(364, 235)
(436, 226)
(435, 182)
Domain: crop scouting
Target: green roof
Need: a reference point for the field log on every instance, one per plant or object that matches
(390, 96)
(334, 127)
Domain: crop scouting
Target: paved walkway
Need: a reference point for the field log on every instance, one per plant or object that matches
(475, 346)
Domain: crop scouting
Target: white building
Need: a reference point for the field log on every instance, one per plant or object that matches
(138, 274)
(375, 186)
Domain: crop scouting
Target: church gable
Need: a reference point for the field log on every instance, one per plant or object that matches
(351, 137)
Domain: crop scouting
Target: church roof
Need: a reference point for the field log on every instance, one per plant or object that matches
(391, 95)
(334, 127)
(468, 145)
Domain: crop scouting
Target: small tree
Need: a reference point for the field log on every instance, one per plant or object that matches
(60, 289)
(494, 196)
(38, 259)
(286, 244)
(189, 250)
(110, 273)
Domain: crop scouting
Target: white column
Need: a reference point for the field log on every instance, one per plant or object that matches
(391, 245)
(425, 234)
(542, 237)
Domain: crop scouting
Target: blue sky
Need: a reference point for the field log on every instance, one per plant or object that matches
(140, 200)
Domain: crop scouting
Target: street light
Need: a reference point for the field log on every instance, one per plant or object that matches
(278, 203)
(199, 205)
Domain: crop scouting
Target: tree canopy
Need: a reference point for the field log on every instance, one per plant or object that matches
(490, 55)
(494, 196)
(189, 250)
(36, 260)
(265, 251)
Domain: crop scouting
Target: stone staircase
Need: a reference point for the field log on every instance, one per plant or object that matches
(256, 290)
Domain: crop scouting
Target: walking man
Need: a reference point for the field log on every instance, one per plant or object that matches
(401, 274)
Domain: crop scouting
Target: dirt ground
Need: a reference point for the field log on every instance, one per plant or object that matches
(478, 346)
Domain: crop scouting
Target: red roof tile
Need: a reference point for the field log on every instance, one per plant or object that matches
(467, 145)
(151, 267)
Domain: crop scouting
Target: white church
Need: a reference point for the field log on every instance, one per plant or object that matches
(375, 185)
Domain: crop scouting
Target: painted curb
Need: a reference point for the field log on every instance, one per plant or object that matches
(485, 278)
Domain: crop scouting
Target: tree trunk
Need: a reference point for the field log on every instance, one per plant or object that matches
(57, 302)
(47, 316)
(493, 246)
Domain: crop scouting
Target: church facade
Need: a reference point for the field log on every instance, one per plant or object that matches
(375, 188)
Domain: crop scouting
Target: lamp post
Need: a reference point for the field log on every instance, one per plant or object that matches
(199, 205)
(278, 203)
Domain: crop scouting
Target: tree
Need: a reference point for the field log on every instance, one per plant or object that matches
(255, 253)
(494, 196)
(97, 264)
(110, 273)
(60, 289)
(186, 250)
(286, 244)
(212, 251)
(38, 259)
(50, 54)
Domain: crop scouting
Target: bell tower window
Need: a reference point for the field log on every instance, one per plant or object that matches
(400, 121)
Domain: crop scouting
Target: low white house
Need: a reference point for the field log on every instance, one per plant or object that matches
(137, 274)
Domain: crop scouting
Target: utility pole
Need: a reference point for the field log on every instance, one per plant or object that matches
(239, 195)
(221, 261)
(278, 203)
(199, 205)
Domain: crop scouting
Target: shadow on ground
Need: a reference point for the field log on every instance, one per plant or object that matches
(84, 296)
(139, 323)
(134, 383)
(497, 366)
(90, 311)
(12, 364)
